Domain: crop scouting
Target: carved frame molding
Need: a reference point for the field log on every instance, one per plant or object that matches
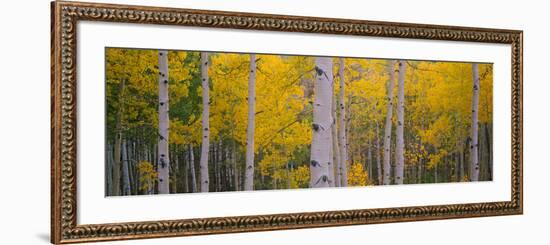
(65, 16)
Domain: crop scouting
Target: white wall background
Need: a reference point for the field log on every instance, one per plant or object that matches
(25, 108)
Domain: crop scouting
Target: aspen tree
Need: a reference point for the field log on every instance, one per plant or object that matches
(205, 149)
(322, 122)
(163, 164)
(249, 172)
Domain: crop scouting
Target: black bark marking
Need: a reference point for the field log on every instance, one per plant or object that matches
(323, 178)
(315, 127)
(319, 71)
(315, 163)
(165, 81)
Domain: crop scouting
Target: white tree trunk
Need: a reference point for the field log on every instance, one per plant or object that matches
(234, 159)
(331, 157)
(125, 170)
(333, 138)
(249, 176)
(163, 164)
(387, 129)
(192, 169)
(335, 148)
(118, 141)
(369, 158)
(322, 122)
(108, 171)
(400, 144)
(378, 162)
(342, 128)
(474, 147)
(149, 181)
(205, 149)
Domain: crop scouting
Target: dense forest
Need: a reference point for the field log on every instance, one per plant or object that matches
(185, 121)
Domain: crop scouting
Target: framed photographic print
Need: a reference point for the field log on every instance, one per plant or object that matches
(175, 122)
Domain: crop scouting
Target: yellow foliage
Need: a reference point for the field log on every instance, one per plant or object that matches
(147, 176)
(357, 176)
(299, 177)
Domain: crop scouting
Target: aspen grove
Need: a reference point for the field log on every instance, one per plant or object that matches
(190, 121)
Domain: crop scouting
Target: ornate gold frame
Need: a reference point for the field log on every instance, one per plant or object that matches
(64, 17)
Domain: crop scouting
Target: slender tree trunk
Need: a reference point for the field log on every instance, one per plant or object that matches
(457, 166)
(331, 163)
(205, 123)
(378, 158)
(419, 173)
(214, 160)
(108, 170)
(387, 129)
(369, 159)
(192, 168)
(130, 159)
(125, 171)
(461, 170)
(287, 169)
(457, 146)
(436, 173)
(185, 170)
(249, 176)
(322, 121)
(342, 129)
(474, 147)
(176, 166)
(163, 166)
(335, 146)
(219, 152)
(227, 163)
(234, 160)
(489, 153)
(135, 159)
(400, 145)
(118, 141)
(332, 183)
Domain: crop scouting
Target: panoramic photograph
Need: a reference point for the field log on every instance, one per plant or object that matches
(181, 121)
